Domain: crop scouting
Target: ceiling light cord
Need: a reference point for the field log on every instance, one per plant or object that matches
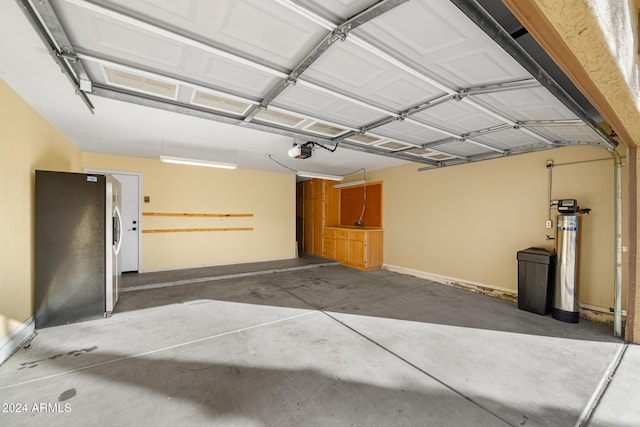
(354, 172)
(284, 166)
(364, 197)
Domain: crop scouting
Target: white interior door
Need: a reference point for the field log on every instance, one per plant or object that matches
(130, 214)
(130, 249)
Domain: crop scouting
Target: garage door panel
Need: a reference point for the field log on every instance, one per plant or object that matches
(457, 117)
(408, 132)
(526, 104)
(103, 37)
(436, 37)
(578, 134)
(91, 31)
(228, 75)
(321, 105)
(463, 149)
(337, 11)
(266, 31)
(412, 73)
(510, 139)
(351, 70)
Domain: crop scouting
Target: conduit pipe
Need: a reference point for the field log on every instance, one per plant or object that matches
(617, 220)
(617, 229)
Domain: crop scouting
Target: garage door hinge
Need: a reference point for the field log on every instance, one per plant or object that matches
(340, 33)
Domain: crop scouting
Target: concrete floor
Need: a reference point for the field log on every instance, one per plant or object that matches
(308, 342)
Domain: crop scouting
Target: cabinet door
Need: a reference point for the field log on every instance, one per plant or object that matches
(308, 226)
(357, 249)
(317, 225)
(342, 246)
(329, 244)
(374, 248)
(329, 248)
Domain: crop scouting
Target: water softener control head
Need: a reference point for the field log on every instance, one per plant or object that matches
(568, 206)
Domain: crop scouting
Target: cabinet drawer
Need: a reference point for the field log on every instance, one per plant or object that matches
(330, 233)
(357, 236)
(342, 234)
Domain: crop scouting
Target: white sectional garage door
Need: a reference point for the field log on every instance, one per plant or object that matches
(431, 81)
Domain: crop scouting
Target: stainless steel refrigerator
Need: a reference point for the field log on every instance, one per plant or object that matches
(77, 237)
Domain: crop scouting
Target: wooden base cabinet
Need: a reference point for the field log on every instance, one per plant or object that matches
(354, 247)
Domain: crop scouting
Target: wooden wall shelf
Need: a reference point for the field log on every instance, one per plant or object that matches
(191, 230)
(196, 215)
(201, 215)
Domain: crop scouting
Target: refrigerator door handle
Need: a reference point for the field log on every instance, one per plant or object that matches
(117, 217)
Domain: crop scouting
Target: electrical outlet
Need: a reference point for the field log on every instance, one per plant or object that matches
(548, 224)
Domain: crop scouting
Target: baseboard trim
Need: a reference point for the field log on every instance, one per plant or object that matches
(16, 338)
(477, 287)
(588, 312)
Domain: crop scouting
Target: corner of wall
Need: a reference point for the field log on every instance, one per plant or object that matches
(29, 143)
(15, 338)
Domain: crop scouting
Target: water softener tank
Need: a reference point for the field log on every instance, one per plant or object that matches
(565, 300)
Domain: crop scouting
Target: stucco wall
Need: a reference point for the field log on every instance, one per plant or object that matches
(602, 37)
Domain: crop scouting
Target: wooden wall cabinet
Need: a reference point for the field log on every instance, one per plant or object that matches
(318, 206)
(358, 248)
(325, 223)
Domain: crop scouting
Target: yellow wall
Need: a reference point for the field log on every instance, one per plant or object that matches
(270, 197)
(27, 142)
(468, 222)
(465, 222)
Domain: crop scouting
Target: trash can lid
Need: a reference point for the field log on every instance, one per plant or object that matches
(537, 255)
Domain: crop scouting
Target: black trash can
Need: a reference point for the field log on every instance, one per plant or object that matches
(536, 272)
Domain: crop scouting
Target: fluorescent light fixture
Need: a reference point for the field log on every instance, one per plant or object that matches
(350, 184)
(319, 176)
(194, 162)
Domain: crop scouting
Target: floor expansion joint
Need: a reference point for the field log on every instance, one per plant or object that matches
(601, 388)
(419, 369)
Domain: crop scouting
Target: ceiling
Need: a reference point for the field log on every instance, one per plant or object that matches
(376, 83)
